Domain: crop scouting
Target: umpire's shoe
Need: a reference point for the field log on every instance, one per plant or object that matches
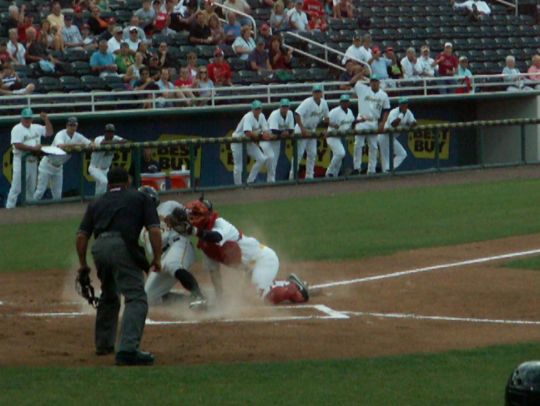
(302, 286)
(133, 358)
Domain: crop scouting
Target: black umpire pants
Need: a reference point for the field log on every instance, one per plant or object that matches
(118, 274)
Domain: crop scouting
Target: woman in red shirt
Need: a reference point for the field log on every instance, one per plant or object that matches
(279, 57)
(448, 63)
(219, 70)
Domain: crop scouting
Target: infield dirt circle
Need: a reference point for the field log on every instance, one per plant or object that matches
(377, 310)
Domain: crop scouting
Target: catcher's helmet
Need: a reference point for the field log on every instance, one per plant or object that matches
(199, 212)
(523, 387)
(151, 192)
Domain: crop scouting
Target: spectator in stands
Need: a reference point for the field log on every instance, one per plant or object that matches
(143, 49)
(264, 33)
(353, 73)
(280, 58)
(54, 38)
(474, 8)
(278, 18)
(241, 6)
(258, 59)
(133, 23)
(208, 11)
(360, 50)
(56, 18)
(27, 22)
(146, 14)
(342, 9)
(134, 70)
(426, 65)
(165, 59)
(169, 91)
(394, 70)
(109, 32)
(379, 66)
(219, 70)
(15, 49)
(200, 34)
(244, 44)
(409, 65)
(133, 41)
(14, 17)
(37, 52)
(205, 86)
(115, 41)
(102, 61)
(96, 23)
(298, 20)
(124, 59)
(232, 28)
(153, 67)
(192, 65)
(513, 77)
(88, 40)
(184, 83)
(71, 35)
(534, 72)
(103, 5)
(316, 15)
(162, 20)
(464, 76)
(216, 30)
(10, 83)
(4, 54)
(145, 83)
(78, 17)
(448, 64)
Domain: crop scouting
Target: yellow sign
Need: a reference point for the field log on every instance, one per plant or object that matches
(7, 163)
(422, 144)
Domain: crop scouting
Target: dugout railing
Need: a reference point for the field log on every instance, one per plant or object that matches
(436, 131)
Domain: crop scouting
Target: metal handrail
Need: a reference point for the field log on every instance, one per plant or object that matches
(515, 5)
(235, 11)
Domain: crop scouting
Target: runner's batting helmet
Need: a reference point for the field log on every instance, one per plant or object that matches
(151, 192)
(523, 387)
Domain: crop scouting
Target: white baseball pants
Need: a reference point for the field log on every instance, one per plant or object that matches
(308, 146)
(31, 178)
(100, 176)
(265, 270)
(399, 152)
(359, 141)
(338, 153)
(271, 149)
(179, 255)
(56, 182)
(255, 153)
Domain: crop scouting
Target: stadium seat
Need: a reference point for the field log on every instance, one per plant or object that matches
(80, 68)
(92, 83)
(114, 82)
(71, 83)
(72, 55)
(48, 84)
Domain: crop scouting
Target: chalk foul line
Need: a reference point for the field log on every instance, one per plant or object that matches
(425, 269)
(442, 318)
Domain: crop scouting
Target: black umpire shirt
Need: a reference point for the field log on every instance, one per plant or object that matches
(125, 211)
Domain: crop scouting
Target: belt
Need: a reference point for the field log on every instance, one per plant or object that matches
(166, 247)
(109, 234)
(99, 167)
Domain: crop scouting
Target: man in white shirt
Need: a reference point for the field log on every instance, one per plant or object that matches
(298, 20)
(100, 161)
(146, 14)
(252, 125)
(133, 41)
(425, 65)
(71, 35)
(281, 124)
(134, 23)
(401, 116)
(473, 6)
(371, 103)
(409, 65)
(51, 167)
(360, 50)
(114, 43)
(15, 49)
(308, 115)
(341, 119)
(26, 139)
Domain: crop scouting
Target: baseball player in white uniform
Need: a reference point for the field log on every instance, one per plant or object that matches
(177, 258)
(100, 161)
(401, 116)
(222, 244)
(371, 103)
(280, 123)
(308, 115)
(252, 125)
(26, 138)
(341, 119)
(51, 167)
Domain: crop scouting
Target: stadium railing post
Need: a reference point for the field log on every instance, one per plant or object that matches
(23, 180)
(244, 162)
(136, 162)
(295, 157)
(481, 147)
(436, 149)
(391, 153)
(192, 166)
(81, 179)
(523, 144)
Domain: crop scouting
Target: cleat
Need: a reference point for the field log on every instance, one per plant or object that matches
(198, 302)
(302, 286)
(133, 358)
(104, 351)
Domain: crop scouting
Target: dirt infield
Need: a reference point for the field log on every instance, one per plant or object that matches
(454, 307)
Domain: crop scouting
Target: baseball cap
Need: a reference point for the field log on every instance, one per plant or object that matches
(375, 77)
(68, 17)
(256, 104)
(27, 112)
(448, 44)
(218, 52)
(317, 88)
(260, 40)
(357, 35)
(77, 9)
(389, 49)
(116, 30)
(72, 120)
(299, 2)
(85, 26)
(345, 98)
(463, 58)
(265, 27)
(133, 29)
(376, 49)
(110, 127)
(284, 103)
(403, 100)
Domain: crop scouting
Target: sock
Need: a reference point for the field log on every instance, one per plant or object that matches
(282, 292)
(188, 281)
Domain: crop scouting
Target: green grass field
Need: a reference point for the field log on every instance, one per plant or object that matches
(532, 263)
(345, 226)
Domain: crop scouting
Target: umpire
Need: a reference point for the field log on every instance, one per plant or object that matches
(116, 220)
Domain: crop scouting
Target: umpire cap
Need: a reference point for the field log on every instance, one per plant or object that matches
(117, 176)
(110, 127)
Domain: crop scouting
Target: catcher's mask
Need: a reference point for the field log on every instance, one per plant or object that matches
(523, 386)
(151, 192)
(200, 212)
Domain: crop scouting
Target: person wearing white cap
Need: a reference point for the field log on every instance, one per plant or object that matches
(26, 138)
(308, 115)
(298, 20)
(340, 120)
(401, 116)
(448, 64)
(464, 76)
(280, 123)
(372, 101)
(252, 125)
(100, 161)
(51, 167)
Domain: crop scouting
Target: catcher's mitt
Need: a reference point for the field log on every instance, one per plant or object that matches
(178, 220)
(84, 287)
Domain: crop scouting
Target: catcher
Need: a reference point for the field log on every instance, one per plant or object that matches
(177, 258)
(222, 243)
